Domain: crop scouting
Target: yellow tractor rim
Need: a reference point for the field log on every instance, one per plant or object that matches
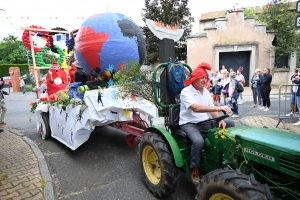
(151, 166)
(220, 196)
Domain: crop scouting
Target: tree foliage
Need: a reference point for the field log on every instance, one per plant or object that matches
(280, 18)
(13, 51)
(169, 12)
(49, 58)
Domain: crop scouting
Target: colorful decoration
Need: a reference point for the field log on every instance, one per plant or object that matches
(39, 57)
(106, 42)
(26, 38)
(56, 79)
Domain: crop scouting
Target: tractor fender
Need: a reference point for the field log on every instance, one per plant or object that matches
(172, 143)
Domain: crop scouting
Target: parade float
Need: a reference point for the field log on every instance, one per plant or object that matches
(105, 44)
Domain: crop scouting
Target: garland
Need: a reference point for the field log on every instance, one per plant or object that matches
(26, 38)
(39, 57)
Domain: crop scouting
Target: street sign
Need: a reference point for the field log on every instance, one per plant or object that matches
(11, 72)
(298, 7)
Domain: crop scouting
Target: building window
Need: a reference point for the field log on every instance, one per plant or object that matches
(282, 62)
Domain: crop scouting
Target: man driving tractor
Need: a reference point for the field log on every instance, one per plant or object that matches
(195, 104)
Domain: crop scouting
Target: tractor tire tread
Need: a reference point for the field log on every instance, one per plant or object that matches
(169, 172)
(235, 183)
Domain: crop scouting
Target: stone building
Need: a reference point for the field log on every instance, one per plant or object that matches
(237, 41)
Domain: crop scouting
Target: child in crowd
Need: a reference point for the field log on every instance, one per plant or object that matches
(216, 90)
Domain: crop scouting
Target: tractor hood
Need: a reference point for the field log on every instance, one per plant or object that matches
(284, 141)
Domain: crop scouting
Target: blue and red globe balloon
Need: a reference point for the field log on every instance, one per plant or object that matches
(107, 42)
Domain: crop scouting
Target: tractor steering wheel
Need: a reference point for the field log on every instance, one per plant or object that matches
(215, 120)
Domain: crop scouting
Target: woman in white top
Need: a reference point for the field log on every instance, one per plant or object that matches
(224, 83)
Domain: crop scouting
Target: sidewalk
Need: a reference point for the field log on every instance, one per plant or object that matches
(23, 170)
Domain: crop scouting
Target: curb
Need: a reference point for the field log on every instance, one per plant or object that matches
(49, 190)
(243, 122)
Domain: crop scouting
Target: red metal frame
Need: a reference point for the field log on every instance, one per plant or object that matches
(134, 127)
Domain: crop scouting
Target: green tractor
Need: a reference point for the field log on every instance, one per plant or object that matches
(238, 163)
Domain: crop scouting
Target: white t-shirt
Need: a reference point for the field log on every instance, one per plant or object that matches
(189, 95)
(231, 84)
(295, 87)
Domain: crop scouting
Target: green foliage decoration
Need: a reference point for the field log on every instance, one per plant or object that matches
(134, 82)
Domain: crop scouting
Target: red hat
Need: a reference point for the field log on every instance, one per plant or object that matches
(198, 72)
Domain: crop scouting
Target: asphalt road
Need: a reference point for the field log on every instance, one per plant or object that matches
(104, 167)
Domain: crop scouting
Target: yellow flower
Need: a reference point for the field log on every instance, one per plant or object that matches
(225, 130)
(216, 136)
(223, 136)
(220, 132)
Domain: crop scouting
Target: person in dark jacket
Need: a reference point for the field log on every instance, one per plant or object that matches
(255, 87)
(80, 74)
(265, 82)
(296, 80)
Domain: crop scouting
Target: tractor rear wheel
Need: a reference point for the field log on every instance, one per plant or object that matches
(158, 168)
(226, 184)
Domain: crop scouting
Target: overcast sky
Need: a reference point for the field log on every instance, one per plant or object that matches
(71, 14)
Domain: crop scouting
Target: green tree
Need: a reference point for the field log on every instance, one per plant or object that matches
(49, 58)
(280, 18)
(169, 12)
(13, 51)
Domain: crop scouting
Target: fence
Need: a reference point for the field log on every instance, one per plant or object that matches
(285, 94)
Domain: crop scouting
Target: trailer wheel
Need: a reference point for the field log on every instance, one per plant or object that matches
(158, 167)
(226, 184)
(43, 126)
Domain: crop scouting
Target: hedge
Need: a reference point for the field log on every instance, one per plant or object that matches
(4, 68)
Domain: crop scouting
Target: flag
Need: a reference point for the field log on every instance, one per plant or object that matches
(59, 37)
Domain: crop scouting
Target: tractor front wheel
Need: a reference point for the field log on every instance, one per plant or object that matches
(158, 167)
(226, 184)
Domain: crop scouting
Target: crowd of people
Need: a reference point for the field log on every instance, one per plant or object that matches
(224, 84)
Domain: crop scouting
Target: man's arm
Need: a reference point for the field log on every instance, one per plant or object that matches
(213, 110)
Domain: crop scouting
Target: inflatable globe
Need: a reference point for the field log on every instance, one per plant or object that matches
(105, 43)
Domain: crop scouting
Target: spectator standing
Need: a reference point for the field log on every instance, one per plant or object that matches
(22, 85)
(232, 92)
(265, 82)
(225, 83)
(296, 80)
(216, 90)
(241, 79)
(2, 103)
(32, 78)
(215, 77)
(231, 70)
(293, 95)
(223, 68)
(256, 87)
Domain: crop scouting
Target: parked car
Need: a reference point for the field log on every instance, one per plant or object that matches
(7, 80)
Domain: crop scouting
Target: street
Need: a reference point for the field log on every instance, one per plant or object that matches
(104, 167)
